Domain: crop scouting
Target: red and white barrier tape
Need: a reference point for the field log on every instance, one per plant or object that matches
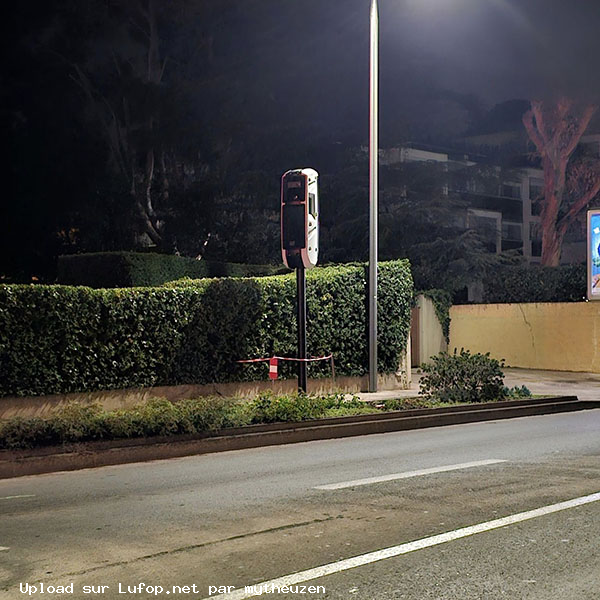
(273, 368)
(273, 360)
(253, 360)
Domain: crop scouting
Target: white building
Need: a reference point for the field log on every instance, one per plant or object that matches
(507, 214)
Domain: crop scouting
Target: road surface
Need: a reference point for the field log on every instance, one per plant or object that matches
(386, 516)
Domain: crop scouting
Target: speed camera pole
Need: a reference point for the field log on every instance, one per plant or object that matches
(301, 296)
(300, 243)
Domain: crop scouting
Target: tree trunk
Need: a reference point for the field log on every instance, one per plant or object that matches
(556, 131)
(551, 247)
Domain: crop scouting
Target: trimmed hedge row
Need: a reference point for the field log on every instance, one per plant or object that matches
(138, 269)
(59, 339)
(531, 283)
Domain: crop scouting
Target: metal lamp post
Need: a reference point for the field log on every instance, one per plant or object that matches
(373, 200)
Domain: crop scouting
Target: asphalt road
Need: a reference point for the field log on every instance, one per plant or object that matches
(254, 516)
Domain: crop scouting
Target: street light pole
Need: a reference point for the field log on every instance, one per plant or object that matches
(373, 200)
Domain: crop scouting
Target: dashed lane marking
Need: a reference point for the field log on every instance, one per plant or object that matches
(408, 474)
(15, 497)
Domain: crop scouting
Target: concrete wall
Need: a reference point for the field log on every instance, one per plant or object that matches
(43, 406)
(426, 332)
(556, 336)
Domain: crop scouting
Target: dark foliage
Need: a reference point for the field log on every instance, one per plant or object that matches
(523, 283)
(139, 269)
(159, 417)
(463, 377)
(57, 339)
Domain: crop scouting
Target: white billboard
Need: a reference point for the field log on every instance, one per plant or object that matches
(593, 254)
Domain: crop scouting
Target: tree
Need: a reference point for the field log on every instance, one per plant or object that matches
(556, 130)
(421, 217)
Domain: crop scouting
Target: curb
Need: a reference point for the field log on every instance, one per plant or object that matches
(18, 463)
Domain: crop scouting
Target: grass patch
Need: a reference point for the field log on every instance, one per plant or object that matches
(159, 417)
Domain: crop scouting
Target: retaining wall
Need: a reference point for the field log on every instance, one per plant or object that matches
(554, 336)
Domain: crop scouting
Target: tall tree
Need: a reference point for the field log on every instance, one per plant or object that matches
(556, 129)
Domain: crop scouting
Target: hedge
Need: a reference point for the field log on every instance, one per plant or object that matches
(138, 269)
(59, 339)
(531, 283)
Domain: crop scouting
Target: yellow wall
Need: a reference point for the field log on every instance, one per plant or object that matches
(555, 336)
(430, 334)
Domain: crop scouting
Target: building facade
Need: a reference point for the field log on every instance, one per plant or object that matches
(503, 206)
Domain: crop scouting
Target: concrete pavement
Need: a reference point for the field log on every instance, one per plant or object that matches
(242, 518)
(586, 386)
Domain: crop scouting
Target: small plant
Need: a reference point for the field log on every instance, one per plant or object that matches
(75, 422)
(407, 403)
(463, 377)
(517, 392)
(20, 432)
(272, 408)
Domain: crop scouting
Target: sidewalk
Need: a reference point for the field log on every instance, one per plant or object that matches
(586, 386)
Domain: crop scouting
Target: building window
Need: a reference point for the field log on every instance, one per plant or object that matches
(488, 225)
(535, 235)
(536, 193)
(510, 190)
(511, 231)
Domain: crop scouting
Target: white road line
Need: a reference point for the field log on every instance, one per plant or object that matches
(21, 496)
(407, 474)
(371, 557)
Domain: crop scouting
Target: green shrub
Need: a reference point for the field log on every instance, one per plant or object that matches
(463, 377)
(60, 339)
(531, 283)
(159, 417)
(146, 269)
(407, 403)
(272, 408)
(76, 422)
(211, 413)
(20, 432)
(349, 411)
(517, 392)
(119, 424)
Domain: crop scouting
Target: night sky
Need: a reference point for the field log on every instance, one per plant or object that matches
(433, 53)
(498, 49)
(285, 83)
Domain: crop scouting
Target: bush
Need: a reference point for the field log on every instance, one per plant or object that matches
(463, 377)
(272, 408)
(76, 422)
(20, 432)
(409, 403)
(531, 283)
(145, 269)
(59, 339)
(159, 417)
(517, 392)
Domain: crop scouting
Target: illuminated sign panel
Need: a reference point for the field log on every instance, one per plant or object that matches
(593, 254)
